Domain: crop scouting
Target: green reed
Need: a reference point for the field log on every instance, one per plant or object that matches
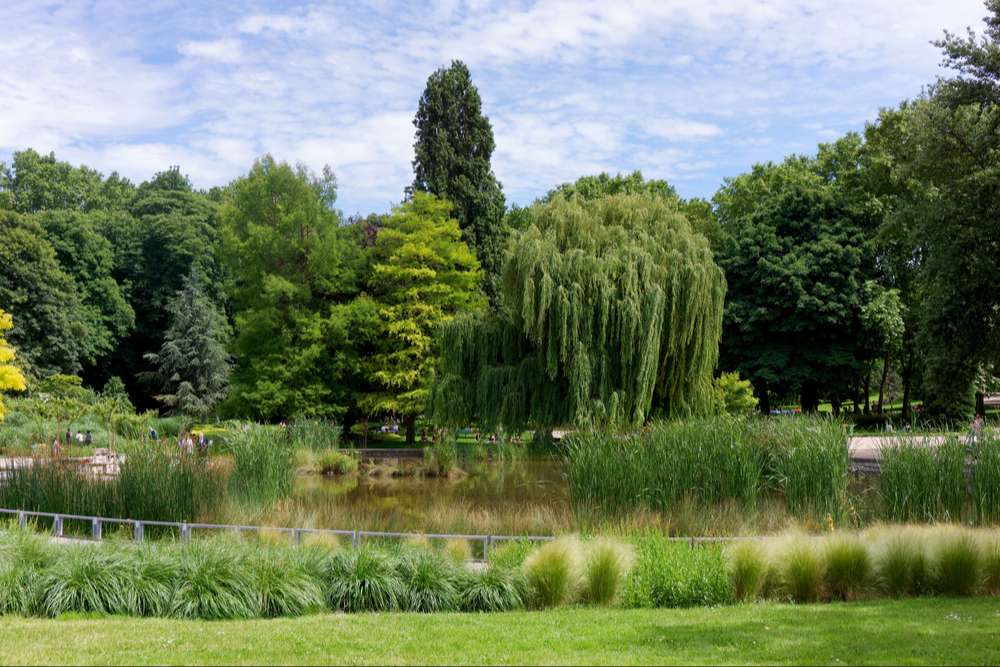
(263, 463)
(923, 482)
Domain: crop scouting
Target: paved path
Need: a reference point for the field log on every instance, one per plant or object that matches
(869, 446)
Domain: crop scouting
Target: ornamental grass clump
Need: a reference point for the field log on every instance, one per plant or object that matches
(89, 579)
(493, 589)
(213, 582)
(847, 568)
(991, 565)
(607, 564)
(553, 573)
(429, 582)
(283, 585)
(362, 580)
(902, 566)
(802, 571)
(747, 570)
(957, 564)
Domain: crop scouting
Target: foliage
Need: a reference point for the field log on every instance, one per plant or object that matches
(607, 564)
(612, 311)
(848, 568)
(363, 580)
(957, 565)
(333, 462)
(747, 570)
(734, 395)
(430, 582)
(423, 276)
(11, 378)
(192, 366)
(454, 144)
(802, 572)
(263, 463)
(922, 482)
(671, 574)
(553, 572)
(34, 182)
(213, 581)
(493, 589)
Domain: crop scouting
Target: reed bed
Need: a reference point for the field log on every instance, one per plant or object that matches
(709, 462)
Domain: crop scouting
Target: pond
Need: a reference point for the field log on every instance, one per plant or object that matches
(523, 496)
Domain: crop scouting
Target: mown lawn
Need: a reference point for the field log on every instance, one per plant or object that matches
(928, 631)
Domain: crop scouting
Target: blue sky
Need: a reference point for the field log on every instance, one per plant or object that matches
(687, 90)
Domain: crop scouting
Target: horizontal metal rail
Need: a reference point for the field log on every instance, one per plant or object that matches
(295, 535)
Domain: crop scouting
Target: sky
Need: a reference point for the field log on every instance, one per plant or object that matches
(691, 91)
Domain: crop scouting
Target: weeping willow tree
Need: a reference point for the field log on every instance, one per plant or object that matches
(612, 311)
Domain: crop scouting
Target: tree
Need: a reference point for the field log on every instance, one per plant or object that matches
(603, 185)
(795, 257)
(612, 312)
(453, 148)
(34, 182)
(11, 378)
(52, 334)
(193, 365)
(883, 327)
(303, 325)
(424, 275)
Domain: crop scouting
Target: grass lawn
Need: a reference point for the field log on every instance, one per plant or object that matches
(927, 631)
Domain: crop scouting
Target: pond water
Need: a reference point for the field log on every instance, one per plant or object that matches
(500, 497)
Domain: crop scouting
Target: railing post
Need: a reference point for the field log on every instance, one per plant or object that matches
(138, 531)
(96, 529)
(355, 539)
(22, 520)
(486, 547)
(297, 536)
(185, 532)
(57, 528)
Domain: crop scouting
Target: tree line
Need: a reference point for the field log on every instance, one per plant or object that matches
(835, 276)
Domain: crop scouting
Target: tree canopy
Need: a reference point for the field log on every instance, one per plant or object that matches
(11, 378)
(612, 310)
(453, 148)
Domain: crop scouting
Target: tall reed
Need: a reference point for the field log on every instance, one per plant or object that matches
(923, 482)
(263, 464)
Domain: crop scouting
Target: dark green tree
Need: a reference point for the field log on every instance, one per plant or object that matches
(34, 182)
(51, 333)
(612, 312)
(192, 366)
(452, 160)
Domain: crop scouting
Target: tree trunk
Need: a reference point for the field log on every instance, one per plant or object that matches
(868, 390)
(881, 386)
(835, 402)
(980, 403)
(411, 428)
(857, 396)
(907, 381)
(809, 397)
(763, 400)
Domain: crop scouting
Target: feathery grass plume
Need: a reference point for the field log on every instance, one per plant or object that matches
(672, 574)
(89, 579)
(802, 571)
(429, 582)
(457, 550)
(848, 567)
(607, 564)
(283, 585)
(553, 572)
(213, 582)
(419, 543)
(320, 539)
(493, 589)
(991, 565)
(957, 564)
(362, 580)
(747, 569)
(510, 554)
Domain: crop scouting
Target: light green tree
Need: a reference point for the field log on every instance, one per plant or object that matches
(11, 378)
(424, 275)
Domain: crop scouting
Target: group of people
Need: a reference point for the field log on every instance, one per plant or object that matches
(85, 438)
(186, 443)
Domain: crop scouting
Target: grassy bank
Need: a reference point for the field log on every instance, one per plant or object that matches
(918, 631)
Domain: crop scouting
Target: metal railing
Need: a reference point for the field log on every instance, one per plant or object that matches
(295, 535)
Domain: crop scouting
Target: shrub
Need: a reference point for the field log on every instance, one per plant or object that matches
(802, 572)
(607, 565)
(902, 567)
(671, 574)
(553, 573)
(20, 589)
(153, 581)
(362, 580)
(213, 582)
(991, 566)
(334, 462)
(747, 570)
(733, 395)
(957, 565)
(493, 589)
(429, 583)
(510, 554)
(847, 567)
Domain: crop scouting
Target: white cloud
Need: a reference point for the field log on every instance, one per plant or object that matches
(219, 50)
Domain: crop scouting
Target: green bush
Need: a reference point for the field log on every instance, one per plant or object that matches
(334, 462)
(672, 574)
(362, 580)
(429, 582)
(213, 582)
(493, 589)
(991, 566)
(902, 567)
(553, 573)
(89, 579)
(283, 586)
(747, 570)
(733, 395)
(847, 568)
